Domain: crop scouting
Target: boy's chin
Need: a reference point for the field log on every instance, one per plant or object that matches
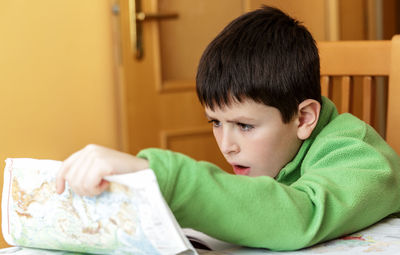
(255, 173)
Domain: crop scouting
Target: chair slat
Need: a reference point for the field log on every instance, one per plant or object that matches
(367, 99)
(345, 94)
(325, 85)
(393, 112)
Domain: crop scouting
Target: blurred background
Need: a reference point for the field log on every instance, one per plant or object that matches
(120, 73)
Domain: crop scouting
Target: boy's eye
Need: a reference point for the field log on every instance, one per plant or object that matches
(215, 123)
(245, 127)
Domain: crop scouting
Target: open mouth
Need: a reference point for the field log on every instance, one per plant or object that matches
(241, 170)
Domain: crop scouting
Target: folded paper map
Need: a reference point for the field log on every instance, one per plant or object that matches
(131, 217)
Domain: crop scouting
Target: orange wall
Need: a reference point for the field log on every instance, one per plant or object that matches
(57, 89)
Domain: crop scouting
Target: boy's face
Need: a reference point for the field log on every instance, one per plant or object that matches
(253, 138)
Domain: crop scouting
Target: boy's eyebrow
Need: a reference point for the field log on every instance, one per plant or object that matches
(237, 119)
(242, 119)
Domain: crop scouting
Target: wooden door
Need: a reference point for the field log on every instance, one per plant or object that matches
(161, 104)
(162, 109)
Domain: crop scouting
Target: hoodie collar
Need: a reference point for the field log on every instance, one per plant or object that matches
(291, 172)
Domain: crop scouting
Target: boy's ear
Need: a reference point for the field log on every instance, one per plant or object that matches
(308, 114)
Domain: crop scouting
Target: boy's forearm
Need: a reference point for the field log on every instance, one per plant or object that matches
(205, 198)
(260, 212)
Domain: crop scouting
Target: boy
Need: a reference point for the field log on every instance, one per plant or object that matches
(304, 173)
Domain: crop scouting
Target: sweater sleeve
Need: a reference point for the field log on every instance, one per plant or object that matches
(333, 196)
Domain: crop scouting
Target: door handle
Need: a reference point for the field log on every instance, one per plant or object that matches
(136, 18)
(141, 16)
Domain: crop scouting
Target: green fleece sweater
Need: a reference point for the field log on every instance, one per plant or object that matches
(344, 178)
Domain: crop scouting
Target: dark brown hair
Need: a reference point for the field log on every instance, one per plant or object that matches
(263, 55)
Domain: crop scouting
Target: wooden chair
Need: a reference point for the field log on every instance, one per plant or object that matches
(343, 61)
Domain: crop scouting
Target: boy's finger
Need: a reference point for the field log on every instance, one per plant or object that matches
(71, 159)
(102, 187)
(94, 183)
(60, 184)
(65, 167)
(81, 170)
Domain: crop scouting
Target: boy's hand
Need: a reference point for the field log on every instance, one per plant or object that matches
(84, 170)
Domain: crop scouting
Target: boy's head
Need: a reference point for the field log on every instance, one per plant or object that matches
(265, 56)
(263, 61)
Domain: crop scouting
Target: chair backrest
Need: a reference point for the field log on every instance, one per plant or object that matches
(343, 62)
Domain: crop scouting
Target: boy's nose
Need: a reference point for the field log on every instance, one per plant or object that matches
(228, 144)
